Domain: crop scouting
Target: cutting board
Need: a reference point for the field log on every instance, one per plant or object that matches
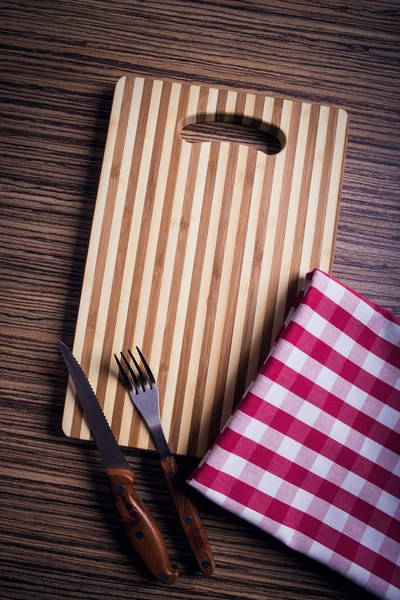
(198, 249)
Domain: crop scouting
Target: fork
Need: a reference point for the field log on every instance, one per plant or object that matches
(143, 391)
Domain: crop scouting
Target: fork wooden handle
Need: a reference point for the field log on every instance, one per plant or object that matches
(189, 517)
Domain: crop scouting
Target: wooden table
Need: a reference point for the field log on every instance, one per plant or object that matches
(60, 61)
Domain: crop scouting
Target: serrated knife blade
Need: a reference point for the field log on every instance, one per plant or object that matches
(109, 450)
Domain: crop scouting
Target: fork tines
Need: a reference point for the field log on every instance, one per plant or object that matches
(139, 381)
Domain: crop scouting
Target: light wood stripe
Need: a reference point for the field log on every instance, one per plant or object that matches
(251, 339)
(70, 408)
(197, 250)
(183, 264)
(298, 242)
(144, 207)
(171, 225)
(167, 236)
(313, 198)
(281, 225)
(148, 260)
(263, 300)
(285, 249)
(253, 111)
(107, 384)
(145, 96)
(224, 266)
(248, 277)
(230, 189)
(110, 297)
(157, 254)
(332, 209)
(324, 188)
(79, 428)
(212, 168)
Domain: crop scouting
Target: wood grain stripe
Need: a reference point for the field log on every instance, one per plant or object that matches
(230, 317)
(286, 250)
(280, 231)
(332, 210)
(107, 378)
(222, 299)
(324, 188)
(160, 275)
(148, 94)
(142, 100)
(175, 226)
(71, 409)
(185, 231)
(172, 208)
(150, 189)
(152, 259)
(78, 426)
(215, 167)
(247, 368)
(184, 329)
(313, 198)
(267, 255)
(214, 286)
(298, 243)
(249, 278)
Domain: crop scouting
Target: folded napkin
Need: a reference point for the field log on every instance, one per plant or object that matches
(311, 454)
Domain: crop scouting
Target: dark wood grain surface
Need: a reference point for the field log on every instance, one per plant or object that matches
(60, 535)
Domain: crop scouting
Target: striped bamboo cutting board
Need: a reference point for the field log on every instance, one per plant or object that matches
(197, 249)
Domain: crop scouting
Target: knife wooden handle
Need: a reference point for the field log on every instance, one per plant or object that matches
(189, 517)
(140, 526)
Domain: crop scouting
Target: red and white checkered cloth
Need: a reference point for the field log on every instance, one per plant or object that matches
(311, 455)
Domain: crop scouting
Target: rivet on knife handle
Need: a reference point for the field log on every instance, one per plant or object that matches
(140, 526)
(189, 517)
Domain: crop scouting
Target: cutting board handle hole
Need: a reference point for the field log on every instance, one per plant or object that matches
(254, 133)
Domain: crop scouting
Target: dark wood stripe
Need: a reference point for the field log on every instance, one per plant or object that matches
(161, 247)
(131, 195)
(179, 264)
(108, 345)
(257, 263)
(303, 206)
(335, 229)
(234, 283)
(165, 223)
(103, 246)
(196, 279)
(212, 300)
(266, 339)
(324, 187)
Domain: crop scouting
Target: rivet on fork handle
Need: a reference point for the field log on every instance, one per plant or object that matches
(189, 517)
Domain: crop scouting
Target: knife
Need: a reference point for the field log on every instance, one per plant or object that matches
(139, 524)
